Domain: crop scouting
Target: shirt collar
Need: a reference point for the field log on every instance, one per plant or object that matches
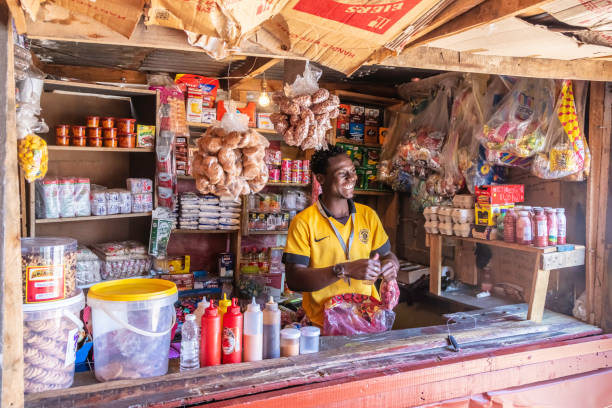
(351, 205)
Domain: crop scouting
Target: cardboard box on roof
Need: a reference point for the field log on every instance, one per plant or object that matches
(343, 34)
(228, 20)
(594, 15)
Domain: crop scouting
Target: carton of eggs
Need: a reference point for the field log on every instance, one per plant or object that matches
(462, 215)
(431, 227)
(462, 230)
(446, 228)
(463, 201)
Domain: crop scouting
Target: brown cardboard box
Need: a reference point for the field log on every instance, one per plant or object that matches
(229, 20)
(120, 15)
(382, 134)
(342, 34)
(371, 134)
(373, 116)
(356, 114)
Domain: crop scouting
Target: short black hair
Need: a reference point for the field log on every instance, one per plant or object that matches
(483, 255)
(320, 159)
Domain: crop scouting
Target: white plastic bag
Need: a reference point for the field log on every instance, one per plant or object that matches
(305, 84)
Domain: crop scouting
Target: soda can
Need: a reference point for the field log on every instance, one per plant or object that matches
(295, 177)
(273, 175)
(285, 176)
(286, 165)
(305, 177)
(305, 166)
(296, 165)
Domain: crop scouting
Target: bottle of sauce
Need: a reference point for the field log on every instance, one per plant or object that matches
(523, 229)
(551, 217)
(210, 339)
(562, 227)
(223, 305)
(231, 338)
(509, 226)
(540, 238)
(200, 310)
(253, 333)
(271, 330)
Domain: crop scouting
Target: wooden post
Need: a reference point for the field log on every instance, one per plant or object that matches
(435, 263)
(11, 321)
(597, 192)
(539, 286)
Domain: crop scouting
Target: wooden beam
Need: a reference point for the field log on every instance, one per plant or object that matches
(485, 13)
(11, 321)
(18, 15)
(600, 151)
(250, 68)
(435, 263)
(448, 60)
(539, 286)
(95, 74)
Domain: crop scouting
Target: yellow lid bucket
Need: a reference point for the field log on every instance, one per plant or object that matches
(132, 290)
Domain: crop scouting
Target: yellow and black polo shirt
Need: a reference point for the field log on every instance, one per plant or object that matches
(312, 242)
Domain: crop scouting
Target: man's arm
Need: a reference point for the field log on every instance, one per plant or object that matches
(390, 266)
(301, 278)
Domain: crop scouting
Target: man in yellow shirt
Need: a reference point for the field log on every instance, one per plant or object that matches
(336, 246)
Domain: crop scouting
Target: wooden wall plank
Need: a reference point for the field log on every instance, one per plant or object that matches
(435, 263)
(448, 60)
(11, 323)
(594, 185)
(95, 74)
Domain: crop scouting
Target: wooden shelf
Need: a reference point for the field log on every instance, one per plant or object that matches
(92, 218)
(199, 231)
(467, 297)
(101, 149)
(287, 185)
(502, 244)
(195, 125)
(363, 98)
(372, 193)
(267, 232)
(82, 87)
(352, 142)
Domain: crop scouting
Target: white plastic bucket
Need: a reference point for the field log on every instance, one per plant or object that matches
(50, 335)
(132, 320)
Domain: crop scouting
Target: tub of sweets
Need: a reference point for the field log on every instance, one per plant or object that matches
(131, 321)
(127, 140)
(289, 342)
(50, 335)
(108, 122)
(93, 121)
(126, 125)
(309, 339)
(48, 266)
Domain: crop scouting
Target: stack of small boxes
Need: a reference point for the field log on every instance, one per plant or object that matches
(181, 155)
(446, 220)
(490, 201)
(366, 160)
(360, 124)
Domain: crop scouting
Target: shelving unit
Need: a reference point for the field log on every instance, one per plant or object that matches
(65, 102)
(195, 125)
(373, 193)
(354, 143)
(268, 232)
(546, 258)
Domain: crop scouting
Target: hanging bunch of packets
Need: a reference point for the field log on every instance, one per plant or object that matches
(562, 159)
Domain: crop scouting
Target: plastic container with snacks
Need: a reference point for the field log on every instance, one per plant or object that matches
(110, 142)
(50, 333)
(48, 266)
(109, 133)
(94, 132)
(93, 121)
(62, 135)
(132, 320)
(107, 122)
(126, 125)
(127, 140)
(87, 266)
(79, 141)
(94, 142)
(79, 131)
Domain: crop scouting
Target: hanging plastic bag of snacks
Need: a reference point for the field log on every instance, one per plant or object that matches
(567, 152)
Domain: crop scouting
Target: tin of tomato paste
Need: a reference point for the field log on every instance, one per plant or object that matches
(285, 176)
(305, 177)
(296, 177)
(286, 165)
(273, 175)
(305, 166)
(296, 165)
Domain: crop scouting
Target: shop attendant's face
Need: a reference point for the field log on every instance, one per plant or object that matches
(340, 179)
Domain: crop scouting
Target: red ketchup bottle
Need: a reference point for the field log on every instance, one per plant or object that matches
(210, 339)
(231, 340)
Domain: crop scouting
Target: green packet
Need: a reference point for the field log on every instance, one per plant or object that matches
(161, 228)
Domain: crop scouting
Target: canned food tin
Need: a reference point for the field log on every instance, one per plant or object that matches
(296, 165)
(286, 165)
(273, 175)
(305, 166)
(305, 177)
(285, 176)
(296, 177)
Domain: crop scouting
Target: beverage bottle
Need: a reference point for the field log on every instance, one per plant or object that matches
(509, 226)
(253, 332)
(210, 341)
(199, 311)
(540, 239)
(190, 347)
(523, 228)
(231, 338)
(223, 305)
(562, 226)
(271, 330)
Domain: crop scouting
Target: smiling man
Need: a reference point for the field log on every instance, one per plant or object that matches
(336, 246)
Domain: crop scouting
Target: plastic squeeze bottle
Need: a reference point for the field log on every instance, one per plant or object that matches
(210, 340)
(199, 312)
(223, 305)
(271, 330)
(253, 333)
(231, 339)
